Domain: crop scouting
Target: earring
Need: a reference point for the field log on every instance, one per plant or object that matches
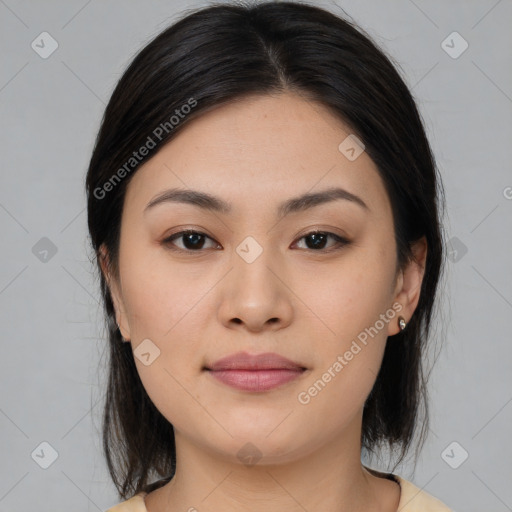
(401, 323)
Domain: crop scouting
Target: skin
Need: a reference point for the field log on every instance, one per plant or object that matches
(197, 307)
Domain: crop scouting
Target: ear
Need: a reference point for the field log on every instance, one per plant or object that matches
(408, 286)
(115, 293)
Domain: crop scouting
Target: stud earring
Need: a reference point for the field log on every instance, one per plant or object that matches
(401, 323)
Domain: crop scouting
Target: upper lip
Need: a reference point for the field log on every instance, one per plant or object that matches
(246, 361)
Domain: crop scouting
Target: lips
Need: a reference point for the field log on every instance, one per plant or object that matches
(260, 372)
(246, 361)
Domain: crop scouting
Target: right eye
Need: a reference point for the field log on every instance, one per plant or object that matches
(193, 241)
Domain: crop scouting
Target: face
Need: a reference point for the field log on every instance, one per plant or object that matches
(314, 281)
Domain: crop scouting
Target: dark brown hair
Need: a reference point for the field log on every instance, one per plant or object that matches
(219, 54)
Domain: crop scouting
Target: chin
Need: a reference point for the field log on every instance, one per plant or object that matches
(257, 443)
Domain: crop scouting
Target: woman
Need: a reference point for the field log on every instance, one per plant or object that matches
(263, 206)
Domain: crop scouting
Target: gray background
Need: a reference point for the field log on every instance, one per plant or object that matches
(51, 364)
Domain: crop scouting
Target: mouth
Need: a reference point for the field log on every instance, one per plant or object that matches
(256, 373)
(255, 380)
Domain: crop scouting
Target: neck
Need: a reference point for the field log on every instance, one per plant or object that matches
(330, 478)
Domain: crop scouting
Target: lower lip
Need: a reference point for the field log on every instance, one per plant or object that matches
(256, 380)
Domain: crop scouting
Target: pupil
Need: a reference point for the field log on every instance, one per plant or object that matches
(317, 236)
(192, 237)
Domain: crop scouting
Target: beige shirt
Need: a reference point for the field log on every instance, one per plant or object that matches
(412, 499)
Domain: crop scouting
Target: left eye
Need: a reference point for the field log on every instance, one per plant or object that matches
(318, 239)
(193, 241)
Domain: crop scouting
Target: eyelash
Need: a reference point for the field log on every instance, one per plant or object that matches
(341, 241)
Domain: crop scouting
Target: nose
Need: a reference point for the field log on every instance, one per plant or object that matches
(255, 296)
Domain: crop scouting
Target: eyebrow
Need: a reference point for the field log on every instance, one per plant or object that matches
(296, 204)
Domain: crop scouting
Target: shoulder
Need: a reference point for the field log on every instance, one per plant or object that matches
(413, 499)
(134, 504)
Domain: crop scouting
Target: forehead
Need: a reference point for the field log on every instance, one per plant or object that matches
(257, 151)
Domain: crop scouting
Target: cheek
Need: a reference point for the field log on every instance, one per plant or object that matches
(350, 295)
(171, 393)
(333, 399)
(158, 294)
(353, 300)
(348, 360)
(166, 303)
